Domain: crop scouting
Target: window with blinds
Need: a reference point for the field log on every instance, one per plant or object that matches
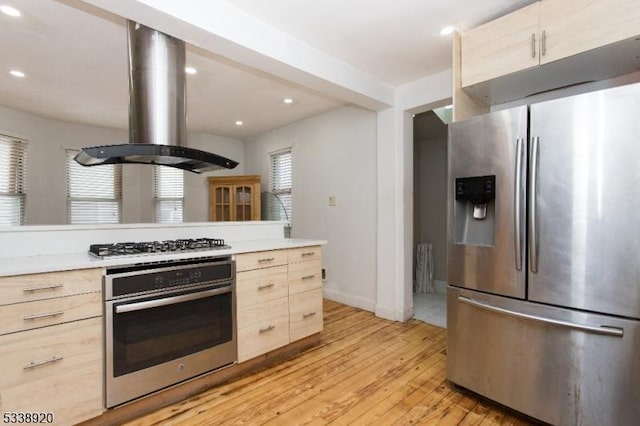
(13, 180)
(168, 184)
(94, 194)
(281, 184)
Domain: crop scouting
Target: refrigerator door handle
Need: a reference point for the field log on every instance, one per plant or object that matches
(517, 211)
(608, 331)
(533, 211)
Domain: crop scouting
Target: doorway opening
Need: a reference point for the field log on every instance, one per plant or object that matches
(430, 215)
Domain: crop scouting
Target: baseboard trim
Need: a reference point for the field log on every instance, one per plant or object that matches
(349, 299)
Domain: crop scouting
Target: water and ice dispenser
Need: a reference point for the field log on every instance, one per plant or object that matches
(474, 214)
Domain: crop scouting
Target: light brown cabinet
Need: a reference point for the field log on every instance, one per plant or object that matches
(305, 292)
(545, 32)
(279, 299)
(500, 47)
(576, 26)
(51, 344)
(234, 198)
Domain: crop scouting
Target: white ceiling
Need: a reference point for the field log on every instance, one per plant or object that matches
(75, 59)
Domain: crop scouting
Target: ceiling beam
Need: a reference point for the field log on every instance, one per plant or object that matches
(225, 30)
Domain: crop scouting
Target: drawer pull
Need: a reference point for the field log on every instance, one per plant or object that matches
(308, 277)
(44, 287)
(266, 259)
(264, 287)
(309, 253)
(264, 330)
(45, 315)
(310, 314)
(34, 364)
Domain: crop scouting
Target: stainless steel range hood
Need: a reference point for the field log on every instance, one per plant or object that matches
(157, 109)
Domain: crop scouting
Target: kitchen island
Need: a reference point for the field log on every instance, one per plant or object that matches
(55, 346)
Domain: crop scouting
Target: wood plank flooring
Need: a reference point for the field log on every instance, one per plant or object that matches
(366, 371)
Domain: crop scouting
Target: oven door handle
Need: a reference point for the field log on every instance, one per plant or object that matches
(139, 306)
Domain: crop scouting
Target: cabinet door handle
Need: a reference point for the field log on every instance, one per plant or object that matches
(41, 288)
(264, 330)
(533, 45)
(34, 364)
(310, 314)
(310, 253)
(267, 259)
(308, 277)
(264, 287)
(45, 315)
(543, 48)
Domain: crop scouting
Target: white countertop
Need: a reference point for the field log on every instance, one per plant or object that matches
(65, 262)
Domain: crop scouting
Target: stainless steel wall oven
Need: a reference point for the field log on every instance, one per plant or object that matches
(165, 323)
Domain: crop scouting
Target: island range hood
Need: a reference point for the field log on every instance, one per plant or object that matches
(157, 109)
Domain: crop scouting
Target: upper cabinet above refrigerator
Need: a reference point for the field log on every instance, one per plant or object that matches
(487, 202)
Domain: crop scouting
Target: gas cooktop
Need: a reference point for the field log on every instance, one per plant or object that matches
(155, 247)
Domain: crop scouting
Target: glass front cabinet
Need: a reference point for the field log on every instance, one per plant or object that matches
(234, 198)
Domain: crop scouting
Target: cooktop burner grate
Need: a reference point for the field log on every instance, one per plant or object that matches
(155, 247)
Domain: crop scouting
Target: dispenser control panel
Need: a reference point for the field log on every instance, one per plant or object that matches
(477, 189)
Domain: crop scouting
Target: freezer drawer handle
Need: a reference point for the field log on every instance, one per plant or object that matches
(609, 331)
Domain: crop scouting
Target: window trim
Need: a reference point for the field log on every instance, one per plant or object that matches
(19, 170)
(287, 192)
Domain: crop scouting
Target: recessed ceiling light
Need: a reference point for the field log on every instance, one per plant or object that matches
(448, 107)
(190, 70)
(447, 30)
(239, 123)
(11, 11)
(287, 100)
(16, 73)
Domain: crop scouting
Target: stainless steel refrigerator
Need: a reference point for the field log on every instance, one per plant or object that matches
(544, 258)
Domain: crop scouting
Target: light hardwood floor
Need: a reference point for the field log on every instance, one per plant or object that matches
(366, 371)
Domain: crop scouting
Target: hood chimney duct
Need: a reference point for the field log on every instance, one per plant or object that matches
(157, 103)
(157, 109)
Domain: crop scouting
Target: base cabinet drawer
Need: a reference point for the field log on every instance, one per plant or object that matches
(260, 259)
(261, 285)
(41, 313)
(55, 369)
(26, 288)
(262, 328)
(304, 254)
(305, 276)
(305, 314)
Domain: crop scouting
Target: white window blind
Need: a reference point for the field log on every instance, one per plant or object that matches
(281, 184)
(13, 179)
(168, 191)
(94, 194)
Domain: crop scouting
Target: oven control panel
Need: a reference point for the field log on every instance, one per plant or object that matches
(141, 279)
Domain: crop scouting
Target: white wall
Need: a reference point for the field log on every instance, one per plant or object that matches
(334, 154)
(46, 177)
